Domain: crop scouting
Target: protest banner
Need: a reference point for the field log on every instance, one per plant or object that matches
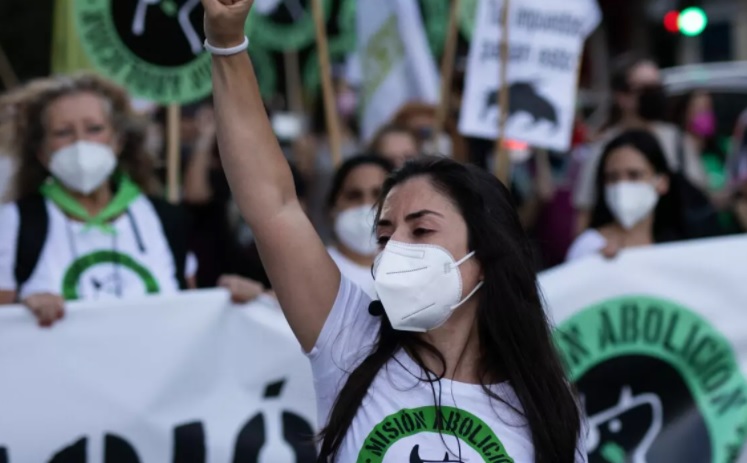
(545, 43)
(186, 378)
(397, 65)
(656, 342)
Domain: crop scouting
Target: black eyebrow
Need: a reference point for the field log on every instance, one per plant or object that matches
(410, 217)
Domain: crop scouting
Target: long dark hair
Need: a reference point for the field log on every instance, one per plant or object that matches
(668, 220)
(514, 336)
(347, 167)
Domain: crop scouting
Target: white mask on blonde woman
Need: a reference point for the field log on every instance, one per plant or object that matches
(83, 166)
(631, 202)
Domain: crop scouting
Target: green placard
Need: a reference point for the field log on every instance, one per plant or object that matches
(289, 26)
(154, 49)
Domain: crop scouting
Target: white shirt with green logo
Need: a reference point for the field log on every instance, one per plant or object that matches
(398, 421)
(79, 261)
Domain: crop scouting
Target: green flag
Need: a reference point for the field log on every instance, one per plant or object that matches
(68, 54)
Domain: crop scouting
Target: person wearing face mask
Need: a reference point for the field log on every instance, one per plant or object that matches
(696, 117)
(420, 119)
(82, 225)
(395, 143)
(637, 203)
(458, 331)
(355, 189)
(640, 102)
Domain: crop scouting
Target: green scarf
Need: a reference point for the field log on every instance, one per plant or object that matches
(127, 192)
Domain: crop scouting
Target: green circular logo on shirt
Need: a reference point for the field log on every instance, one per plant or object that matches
(447, 421)
(71, 280)
(641, 366)
(154, 49)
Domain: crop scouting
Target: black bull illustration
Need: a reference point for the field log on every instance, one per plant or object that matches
(523, 97)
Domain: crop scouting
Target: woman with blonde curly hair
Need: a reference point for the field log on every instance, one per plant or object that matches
(82, 225)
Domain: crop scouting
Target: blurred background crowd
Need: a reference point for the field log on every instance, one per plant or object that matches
(657, 156)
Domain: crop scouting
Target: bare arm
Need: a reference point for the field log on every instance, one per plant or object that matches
(304, 277)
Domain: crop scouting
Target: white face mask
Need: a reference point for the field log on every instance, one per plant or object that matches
(631, 202)
(419, 285)
(354, 229)
(83, 166)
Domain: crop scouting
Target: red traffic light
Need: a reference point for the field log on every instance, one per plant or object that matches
(671, 22)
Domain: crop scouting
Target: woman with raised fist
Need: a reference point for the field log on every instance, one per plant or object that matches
(455, 361)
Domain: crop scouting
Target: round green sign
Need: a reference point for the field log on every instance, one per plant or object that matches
(288, 26)
(154, 49)
(641, 365)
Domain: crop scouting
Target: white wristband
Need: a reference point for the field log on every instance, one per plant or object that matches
(227, 51)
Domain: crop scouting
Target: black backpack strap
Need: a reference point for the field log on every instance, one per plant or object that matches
(32, 233)
(175, 223)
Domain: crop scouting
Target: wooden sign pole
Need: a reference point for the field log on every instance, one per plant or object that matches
(447, 70)
(325, 70)
(173, 157)
(502, 164)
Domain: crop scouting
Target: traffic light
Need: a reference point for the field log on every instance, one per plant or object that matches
(690, 21)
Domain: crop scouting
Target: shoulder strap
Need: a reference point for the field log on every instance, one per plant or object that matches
(32, 233)
(176, 228)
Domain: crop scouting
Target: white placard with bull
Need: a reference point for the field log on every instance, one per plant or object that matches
(546, 40)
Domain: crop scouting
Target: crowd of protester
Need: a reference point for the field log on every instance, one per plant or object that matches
(82, 175)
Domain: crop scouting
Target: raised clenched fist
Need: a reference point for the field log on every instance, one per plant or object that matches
(224, 21)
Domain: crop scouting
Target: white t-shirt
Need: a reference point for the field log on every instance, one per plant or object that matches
(588, 243)
(396, 422)
(358, 274)
(87, 263)
(669, 137)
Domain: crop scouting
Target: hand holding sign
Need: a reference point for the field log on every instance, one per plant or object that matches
(224, 21)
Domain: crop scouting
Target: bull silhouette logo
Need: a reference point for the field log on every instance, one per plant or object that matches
(416, 458)
(523, 98)
(616, 434)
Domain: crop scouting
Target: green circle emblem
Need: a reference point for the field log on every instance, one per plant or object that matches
(154, 50)
(82, 264)
(640, 363)
(268, 32)
(450, 421)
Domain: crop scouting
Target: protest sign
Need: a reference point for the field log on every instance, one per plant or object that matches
(546, 40)
(152, 47)
(656, 342)
(187, 378)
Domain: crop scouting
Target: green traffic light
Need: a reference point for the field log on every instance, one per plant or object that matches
(692, 21)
